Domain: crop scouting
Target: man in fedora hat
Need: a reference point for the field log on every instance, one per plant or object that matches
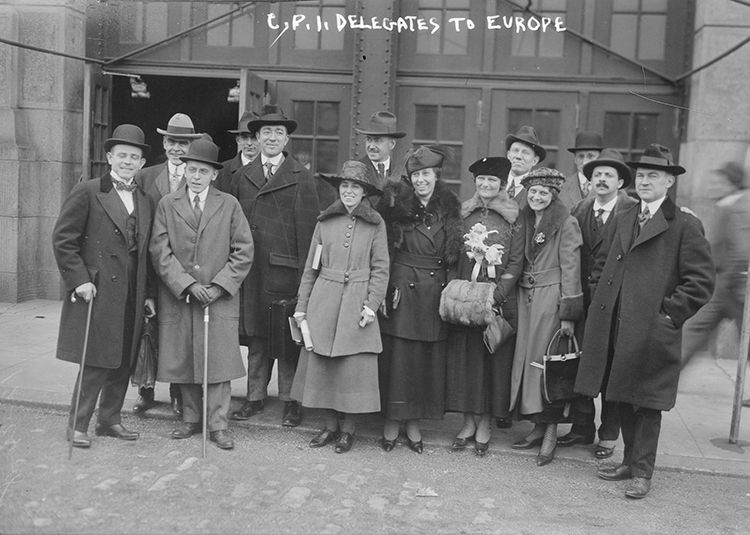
(653, 272)
(577, 187)
(609, 175)
(202, 249)
(157, 181)
(280, 200)
(381, 134)
(100, 243)
(248, 149)
(524, 152)
(730, 246)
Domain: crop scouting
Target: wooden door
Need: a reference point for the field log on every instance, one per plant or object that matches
(97, 118)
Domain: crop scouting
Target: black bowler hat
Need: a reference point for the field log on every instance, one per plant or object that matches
(658, 157)
(127, 134)
(527, 134)
(611, 158)
(498, 166)
(205, 151)
(272, 115)
(356, 172)
(242, 125)
(587, 141)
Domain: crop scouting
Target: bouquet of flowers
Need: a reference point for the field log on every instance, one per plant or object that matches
(479, 251)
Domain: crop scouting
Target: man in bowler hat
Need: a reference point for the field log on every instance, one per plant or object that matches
(280, 200)
(577, 187)
(608, 175)
(248, 149)
(524, 152)
(652, 274)
(100, 243)
(381, 134)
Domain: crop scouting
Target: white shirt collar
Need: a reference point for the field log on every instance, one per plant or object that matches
(653, 206)
(386, 162)
(607, 207)
(516, 180)
(582, 180)
(176, 169)
(275, 161)
(245, 160)
(115, 176)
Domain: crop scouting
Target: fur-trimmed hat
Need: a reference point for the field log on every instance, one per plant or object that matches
(544, 176)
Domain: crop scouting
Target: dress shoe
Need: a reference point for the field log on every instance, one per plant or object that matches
(571, 439)
(344, 443)
(602, 452)
(481, 448)
(549, 444)
(638, 488)
(503, 423)
(618, 473)
(222, 439)
(525, 444)
(292, 414)
(116, 431)
(387, 445)
(187, 429)
(80, 439)
(415, 446)
(324, 437)
(144, 402)
(249, 408)
(460, 443)
(177, 406)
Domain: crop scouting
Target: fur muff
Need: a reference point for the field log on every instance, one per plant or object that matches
(401, 209)
(468, 303)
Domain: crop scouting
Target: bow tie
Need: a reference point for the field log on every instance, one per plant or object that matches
(122, 186)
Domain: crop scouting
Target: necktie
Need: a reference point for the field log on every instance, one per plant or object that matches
(381, 170)
(644, 216)
(599, 218)
(197, 207)
(268, 170)
(175, 179)
(512, 189)
(122, 186)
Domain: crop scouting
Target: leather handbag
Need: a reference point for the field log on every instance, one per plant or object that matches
(280, 342)
(560, 369)
(497, 333)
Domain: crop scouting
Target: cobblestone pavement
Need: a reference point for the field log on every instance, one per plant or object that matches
(273, 483)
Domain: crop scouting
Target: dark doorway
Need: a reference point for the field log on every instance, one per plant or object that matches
(203, 99)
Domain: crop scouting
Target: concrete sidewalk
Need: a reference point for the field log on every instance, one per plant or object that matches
(694, 434)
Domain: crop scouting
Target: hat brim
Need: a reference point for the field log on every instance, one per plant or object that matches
(623, 170)
(671, 169)
(396, 135)
(245, 131)
(257, 124)
(335, 181)
(212, 163)
(178, 136)
(111, 142)
(573, 150)
(538, 149)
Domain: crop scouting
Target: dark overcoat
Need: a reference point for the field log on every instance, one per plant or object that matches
(223, 182)
(353, 273)
(663, 270)
(155, 182)
(90, 245)
(571, 194)
(282, 214)
(218, 250)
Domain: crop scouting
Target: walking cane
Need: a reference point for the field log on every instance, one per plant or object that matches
(205, 377)
(80, 372)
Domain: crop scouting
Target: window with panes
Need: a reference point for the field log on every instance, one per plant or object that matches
(142, 22)
(639, 28)
(315, 142)
(311, 38)
(443, 125)
(546, 122)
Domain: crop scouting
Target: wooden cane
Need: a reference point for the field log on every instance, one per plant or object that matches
(80, 373)
(205, 377)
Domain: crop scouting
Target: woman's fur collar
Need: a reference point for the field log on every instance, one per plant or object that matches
(364, 211)
(501, 205)
(552, 220)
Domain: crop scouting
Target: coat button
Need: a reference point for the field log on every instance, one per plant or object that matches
(197, 266)
(432, 273)
(619, 257)
(440, 262)
(532, 280)
(602, 307)
(346, 244)
(114, 277)
(411, 285)
(348, 235)
(192, 240)
(117, 231)
(609, 282)
(349, 226)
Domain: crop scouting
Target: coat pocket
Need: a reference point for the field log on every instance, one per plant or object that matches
(282, 277)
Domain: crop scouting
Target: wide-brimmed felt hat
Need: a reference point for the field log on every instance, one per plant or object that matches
(271, 115)
(527, 134)
(544, 176)
(242, 127)
(734, 172)
(381, 123)
(205, 151)
(180, 126)
(498, 166)
(659, 157)
(356, 172)
(424, 157)
(127, 134)
(587, 141)
(612, 158)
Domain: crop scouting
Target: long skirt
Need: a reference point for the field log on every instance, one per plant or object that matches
(412, 379)
(477, 382)
(345, 384)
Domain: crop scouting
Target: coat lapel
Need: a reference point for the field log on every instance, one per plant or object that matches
(184, 209)
(213, 203)
(655, 226)
(112, 204)
(254, 174)
(162, 180)
(626, 227)
(285, 175)
(143, 211)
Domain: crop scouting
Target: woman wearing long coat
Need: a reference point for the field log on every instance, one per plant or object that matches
(344, 282)
(425, 237)
(477, 382)
(549, 298)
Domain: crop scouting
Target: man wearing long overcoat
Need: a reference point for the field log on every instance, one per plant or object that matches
(279, 198)
(248, 150)
(202, 250)
(100, 243)
(657, 273)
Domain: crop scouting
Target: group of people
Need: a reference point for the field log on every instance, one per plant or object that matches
(361, 260)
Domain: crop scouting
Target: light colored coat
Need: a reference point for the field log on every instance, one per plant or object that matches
(549, 292)
(353, 273)
(218, 251)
